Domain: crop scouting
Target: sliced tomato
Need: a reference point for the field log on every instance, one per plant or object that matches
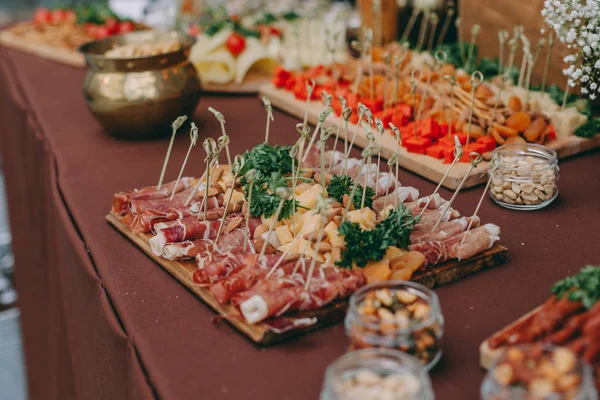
(57, 16)
(128, 26)
(101, 32)
(42, 16)
(236, 43)
(112, 26)
(70, 16)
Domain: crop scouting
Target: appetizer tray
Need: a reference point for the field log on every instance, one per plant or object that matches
(488, 355)
(424, 165)
(42, 50)
(264, 333)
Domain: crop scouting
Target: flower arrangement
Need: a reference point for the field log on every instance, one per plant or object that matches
(577, 24)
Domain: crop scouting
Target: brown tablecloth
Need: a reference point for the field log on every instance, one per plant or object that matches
(102, 321)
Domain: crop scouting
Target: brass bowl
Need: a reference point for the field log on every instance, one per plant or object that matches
(138, 98)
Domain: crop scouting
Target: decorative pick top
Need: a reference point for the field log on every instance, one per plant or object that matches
(179, 121)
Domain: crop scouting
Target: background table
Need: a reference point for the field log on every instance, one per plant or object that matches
(103, 321)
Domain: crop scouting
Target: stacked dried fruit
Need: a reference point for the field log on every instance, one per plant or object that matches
(401, 315)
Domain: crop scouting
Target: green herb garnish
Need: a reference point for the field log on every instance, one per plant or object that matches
(584, 286)
(266, 18)
(364, 246)
(342, 184)
(290, 16)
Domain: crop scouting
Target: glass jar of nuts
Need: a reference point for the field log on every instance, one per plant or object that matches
(524, 176)
(538, 371)
(399, 315)
(375, 374)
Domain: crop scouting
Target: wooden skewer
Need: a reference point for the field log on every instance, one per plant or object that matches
(310, 86)
(284, 255)
(387, 61)
(475, 160)
(269, 109)
(397, 66)
(414, 82)
(398, 143)
(193, 140)
(293, 154)
(449, 14)
(502, 36)
(175, 126)
(547, 63)
(322, 117)
(505, 78)
(458, 152)
(566, 95)
(371, 139)
(326, 98)
(337, 135)
(487, 187)
(323, 206)
(526, 52)
(250, 176)
(325, 134)
(410, 25)
(476, 80)
(221, 118)
(237, 166)
(366, 153)
(461, 46)
(423, 29)
(451, 79)
(391, 161)
(435, 19)
(209, 148)
(284, 193)
(361, 113)
(532, 62)
(346, 113)
(368, 38)
(212, 145)
(474, 33)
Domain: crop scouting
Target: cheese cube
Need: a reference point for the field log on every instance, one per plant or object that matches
(283, 234)
(309, 198)
(365, 217)
(331, 229)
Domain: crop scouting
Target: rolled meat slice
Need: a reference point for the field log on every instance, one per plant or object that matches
(121, 200)
(444, 230)
(400, 194)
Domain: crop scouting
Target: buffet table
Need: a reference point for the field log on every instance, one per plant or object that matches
(102, 321)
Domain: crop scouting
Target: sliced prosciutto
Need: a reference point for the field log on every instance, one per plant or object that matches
(121, 200)
(444, 230)
(189, 228)
(401, 194)
(476, 241)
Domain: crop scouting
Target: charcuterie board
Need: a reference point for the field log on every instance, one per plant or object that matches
(488, 355)
(424, 165)
(266, 333)
(42, 50)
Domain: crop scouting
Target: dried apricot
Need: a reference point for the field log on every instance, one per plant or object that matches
(447, 69)
(483, 92)
(476, 131)
(499, 139)
(515, 139)
(514, 103)
(519, 121)
(505, 131)
(535, 129)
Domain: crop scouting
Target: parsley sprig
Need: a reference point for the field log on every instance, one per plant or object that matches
(584, 286)
(271, 163)
(342, 184)
(364, 246)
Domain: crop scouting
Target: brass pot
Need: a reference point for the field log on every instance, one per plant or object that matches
(138, 98)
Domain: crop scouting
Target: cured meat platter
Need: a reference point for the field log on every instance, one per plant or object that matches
(263, 333)
(421, 164)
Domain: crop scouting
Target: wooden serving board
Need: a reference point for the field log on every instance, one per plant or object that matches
(251, 84)
(421, 164)
(261, 334)
(57, 54)
(488, 355)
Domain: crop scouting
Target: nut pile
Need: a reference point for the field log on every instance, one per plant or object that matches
(138, 50)
(524, 180)
(539, 372)
(400, 316)
(368, 385)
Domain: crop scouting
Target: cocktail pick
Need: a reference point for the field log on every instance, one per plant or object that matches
(458, 152)
(325, 134)
(513, 45)
(310, 86)
(476, 80)
(398, 143)
(387, 61)
(566, 95)
(175, 126)
(269, 109)
(474, 33)
(487, 187)
(371, 138)
(304, 131)
(450, 11)
(346, 113)
(284, 255)
(410, 25)
(250, 176)
(293, 154)
(435, 19)
(532, 62)
(284, 193)
(322, 208)
(548, 58)
(461, 45)
(393, 160)
(326, 98)
(322, 117)
(366, 153)
(475, 161)
(397, 65)
(209, 148)
(415, 78)
(361, 113)
(221, 118)
(502, 37)
(193, 140)
(423, 29)
(212, 145)
(337, 132)
(440, 58)
(451, 79)
(380, 129)
(505, 78)
(236, 169)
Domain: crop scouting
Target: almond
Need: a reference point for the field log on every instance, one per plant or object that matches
(233, 224)
(262, 228)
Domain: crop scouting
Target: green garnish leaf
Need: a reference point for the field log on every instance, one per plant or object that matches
(584, 286)
(364, 246)
(290, 16)
(342, 184)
